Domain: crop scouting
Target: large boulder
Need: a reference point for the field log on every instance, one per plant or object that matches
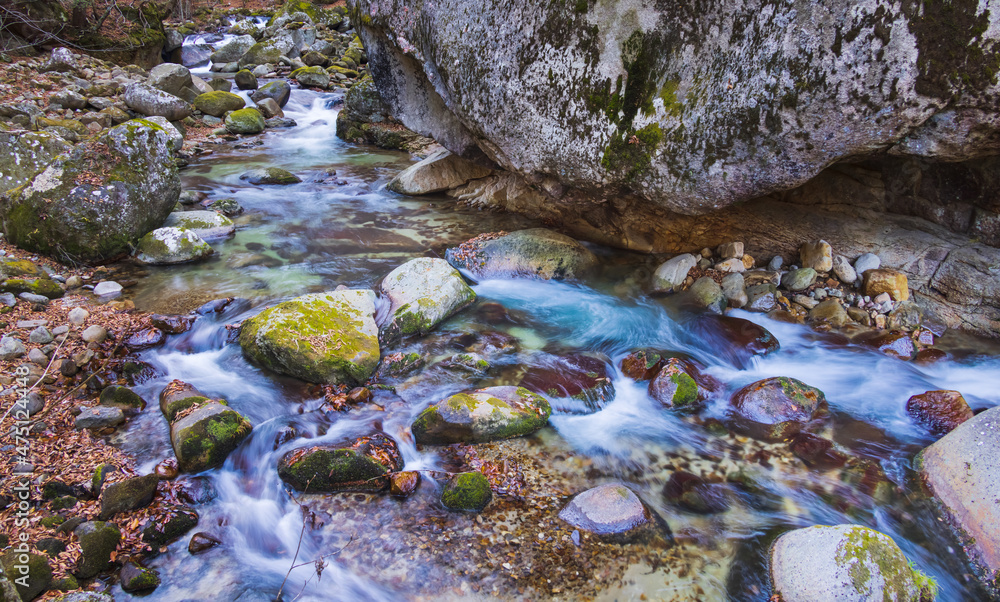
(364, 118)
(689, 110)
(127, 495)
(848, 563)
(279, 91)
(23, 155)
(96, 201)
(203, 438)
(439, 172)
(233, 49)
(218, 103)
(27, 587)
(98, 542)
(321, 337)
(267, 51)
(422, 293)
(537, 253)
(483, 415)
(246, 121)
(962, 471)
(171, 78)
(149, 101)
(313, 77)
(363, 466)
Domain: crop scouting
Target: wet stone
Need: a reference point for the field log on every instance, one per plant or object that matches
(775, 408)
(611, 511)
(817, 451)
(364, 466)
(178, 521)
(940, 412)
(673, 387)
(99, 417)
(892, 343)
(735, 339)
(136, 579)
(128, 495)
(581, 377)
(403, 484)
(202, 542)
(468, 492)
(145, 339)
(171, 324)
(694, 494)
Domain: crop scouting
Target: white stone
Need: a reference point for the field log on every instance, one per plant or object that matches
(868, 261)
(671, 273)
(107, 287)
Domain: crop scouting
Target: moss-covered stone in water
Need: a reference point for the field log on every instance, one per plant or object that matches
(162, 531)
(363, 467)
(218, 103)
(865, 550)
(121, 397)
(206, 437)
(321, 338)
(245, 121)
(468, 491)
(484, 415)
(134, 578)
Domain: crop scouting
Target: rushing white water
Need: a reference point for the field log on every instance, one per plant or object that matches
(347, 229)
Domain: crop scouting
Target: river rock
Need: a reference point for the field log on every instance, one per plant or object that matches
(39, 577)
(98, 417)
(611, 511)
(117, 396)
(939, 411)
(279, 91)
(246, 121)
(178, 396)
(170, 78)
(202, 542)
(98, 540)
(266, 51)
(962, 471)
(893, 343)
(135, 579)
(482, 415)
(694, 494)
(800, 279)
(734, 288)
(467, 491)
(130, 494)
(672, 273)
(673, 387)
(40, 335)
(704, 294)
(831, 311)
(364, 466)
(11, 348)
(245, 80)
(169, 246)
(880, 281)
(581, 377)
(439, 172)
(313, 77)
(536, 253)
(209, 226)
(269, 175)
(844, 562)
(422, 293)
(403, 484)
(221, 84)
(205, 437)
(321, 337)
(218, 103)
(843, 270)
(817, 255)
(734, 339)
(269, 109)
(88, 223)
(149, 101)
(865, 262)
(232, 50)
(95, 333)
(177, 521)
(775, 408)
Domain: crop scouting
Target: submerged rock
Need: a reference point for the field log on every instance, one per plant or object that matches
(96, 201)
(439, 172)
(734, 339)
(844, 562)
(204, 438)
(467, 491)
(483, 415)
(581, 377)
(695, 494)
(893, 343)
(270, 175)
(364, 466)
(775, 408)
(422, 292)
(962, 471)
(939, 411)
(178, 521)
(611, 511)
(170, 246)
(321, 337)
(536, 253)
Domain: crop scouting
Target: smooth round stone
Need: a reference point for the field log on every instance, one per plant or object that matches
(799, 279)
(611, 509)
(40, 335)
(94, 334)
(33, 298)
(107, 287)
(78, 315)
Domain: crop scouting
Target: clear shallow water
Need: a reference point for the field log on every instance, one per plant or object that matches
(344, 228)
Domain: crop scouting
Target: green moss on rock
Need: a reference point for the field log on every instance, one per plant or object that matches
(484, 415)
(468, 491)
(365, 466)
(218, 103)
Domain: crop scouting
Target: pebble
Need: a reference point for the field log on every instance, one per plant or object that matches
(8, 299)
(107, 287)
(95, 334)
(820, 294)
(78, 315)
(11, 348)
(882, 298)
(40, 335)
(775, 264)
(33, 298)
(36, 356)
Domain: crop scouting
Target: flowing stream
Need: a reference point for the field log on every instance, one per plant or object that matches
(340, 226)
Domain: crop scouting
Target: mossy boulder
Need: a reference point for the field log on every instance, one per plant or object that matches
(36, 286)
(98, 540)
(178, 521)
(264, 52)
(439, 172)
(94, 202)
(775, 408)
(673, 387)
(844, 562)
(209, 226)
(279, 91)
(121, 397)
(39, 577)
(536, 253)
(135, 578)
(128, 495)
(321, 337)
(218, 103)
(169, 246)
(483, 415)
(364, 466)
(247, 121)
(178, 396)
(314, 77)
(422, 293)
(44, 123)
(270, 175)
(205, 437)
(467, 491)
